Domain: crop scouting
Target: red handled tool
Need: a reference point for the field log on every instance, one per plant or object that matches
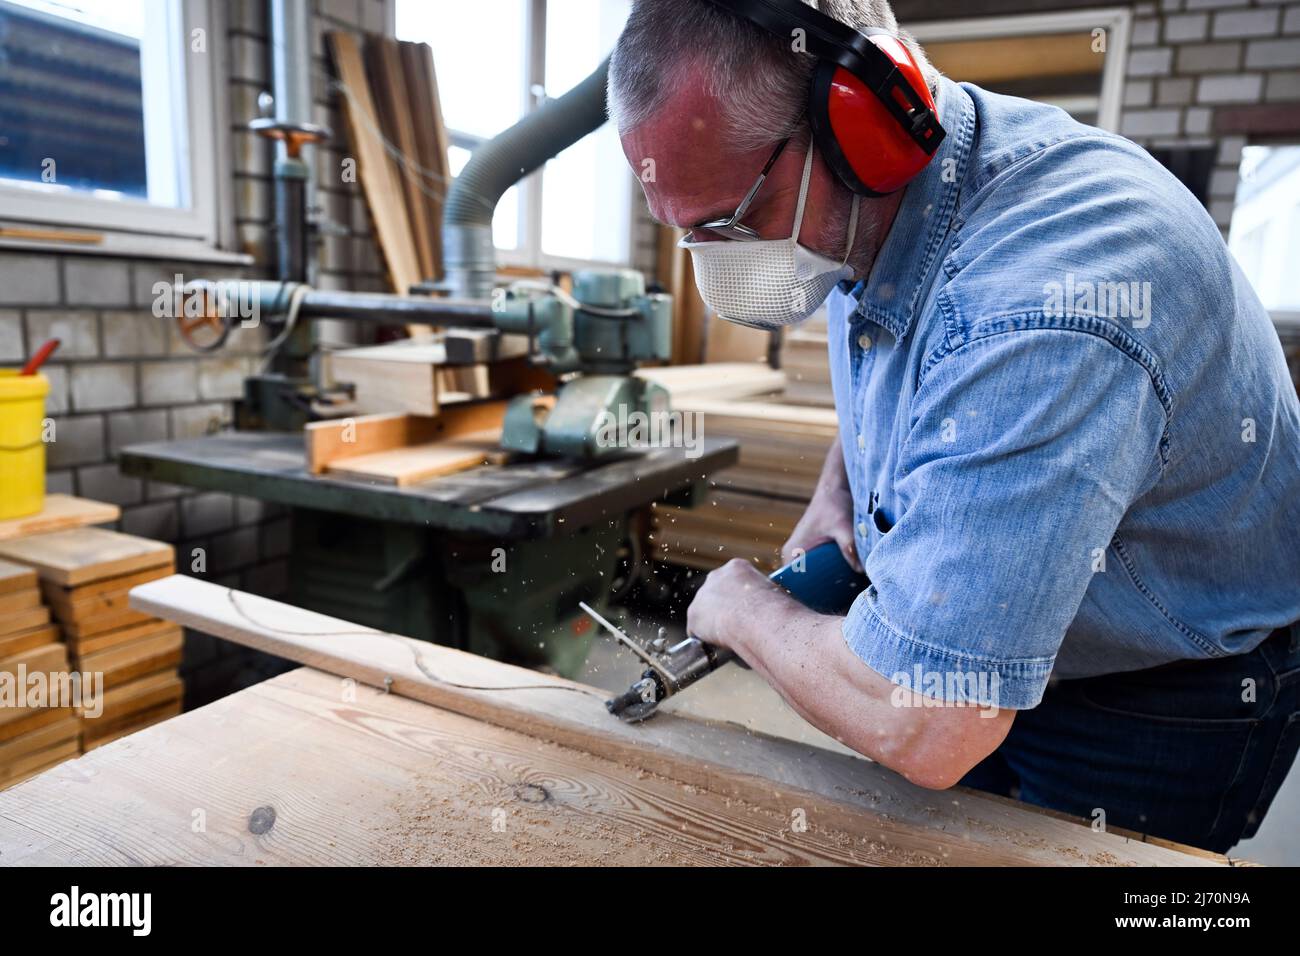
(37, 360)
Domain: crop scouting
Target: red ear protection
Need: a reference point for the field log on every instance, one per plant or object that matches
(858, 136)
(873, 117)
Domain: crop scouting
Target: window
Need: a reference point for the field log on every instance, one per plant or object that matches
(106, 116)
(498, 59)
(1072, 59)
(1265, 230)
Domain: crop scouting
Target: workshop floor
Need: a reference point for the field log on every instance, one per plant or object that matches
(740, 696)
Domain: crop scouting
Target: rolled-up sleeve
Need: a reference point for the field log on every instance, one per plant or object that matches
(1024, 451)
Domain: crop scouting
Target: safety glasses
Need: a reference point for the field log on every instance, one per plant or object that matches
(731, 227)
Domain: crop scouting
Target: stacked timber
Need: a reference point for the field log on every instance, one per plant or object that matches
(34, 735)
(753, 506)
(85, 577)
(804, 361)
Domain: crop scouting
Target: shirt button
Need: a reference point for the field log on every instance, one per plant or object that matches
(862, 528)
(862, 443)
(864, 341)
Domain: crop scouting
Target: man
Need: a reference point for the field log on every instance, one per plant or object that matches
(1069, 457)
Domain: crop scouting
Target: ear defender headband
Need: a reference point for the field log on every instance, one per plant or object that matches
(872, 115)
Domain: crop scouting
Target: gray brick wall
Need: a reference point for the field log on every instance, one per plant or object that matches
(123, 376)
(1212, 61)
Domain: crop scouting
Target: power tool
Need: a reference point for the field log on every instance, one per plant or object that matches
(821, 580)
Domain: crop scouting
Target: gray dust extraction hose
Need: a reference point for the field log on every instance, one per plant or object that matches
(468, 253)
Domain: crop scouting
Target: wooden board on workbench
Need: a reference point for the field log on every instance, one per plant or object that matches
(334, 441)
(871, 814)
(416, 463)
(60, 511)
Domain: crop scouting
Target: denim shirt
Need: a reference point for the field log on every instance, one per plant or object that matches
(1067, 422)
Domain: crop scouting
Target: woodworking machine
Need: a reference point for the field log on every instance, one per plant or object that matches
(426, 560)
(589, 339)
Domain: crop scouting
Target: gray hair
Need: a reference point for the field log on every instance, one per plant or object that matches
(761, 81)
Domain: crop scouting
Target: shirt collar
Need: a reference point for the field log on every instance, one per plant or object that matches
(892, 293)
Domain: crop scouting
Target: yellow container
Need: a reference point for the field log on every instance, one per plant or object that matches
(22, 450)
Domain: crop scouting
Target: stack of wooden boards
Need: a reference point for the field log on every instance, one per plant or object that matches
(33, 736)
(753, 506)
(804, 361)
(85, 577)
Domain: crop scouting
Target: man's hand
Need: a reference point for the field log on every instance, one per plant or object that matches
(729, 599)
(829, 516)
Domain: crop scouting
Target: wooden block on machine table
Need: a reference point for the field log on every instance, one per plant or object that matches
(60, 512)
(395, 377)
(95, 643)
(138, 658)
(15, 577)
(71, 558)
(409, 466)
(343, 438)
(19, 641)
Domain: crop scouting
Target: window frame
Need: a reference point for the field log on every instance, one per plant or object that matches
(130, 226)
(528, 253)
(1116, 21)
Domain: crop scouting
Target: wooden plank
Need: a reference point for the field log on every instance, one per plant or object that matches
(342, 438)
(50, 735)
(137, 723)
(60, 512)
(139, 658)
(380, 780)
(19, 641)
(956, 826)
(34, 763)
(18, 601)
(101, 594)
(18, 622)
(382, 192)
(71, 558)
(389, 90)
(46, 658)
(79, 629)
(416, 463)
(431, 139)
(116, 638)
(719, 380)
(16, 721)
(15, 577)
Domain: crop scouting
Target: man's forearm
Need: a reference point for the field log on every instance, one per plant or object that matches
(804, 656)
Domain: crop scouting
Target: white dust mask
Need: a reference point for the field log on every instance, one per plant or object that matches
(769, 283)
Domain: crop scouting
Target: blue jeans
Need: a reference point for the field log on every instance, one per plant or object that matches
(1183, 751)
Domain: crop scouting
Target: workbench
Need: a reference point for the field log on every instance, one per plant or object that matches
(384, 750)
(528, 499)
(424, 559)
